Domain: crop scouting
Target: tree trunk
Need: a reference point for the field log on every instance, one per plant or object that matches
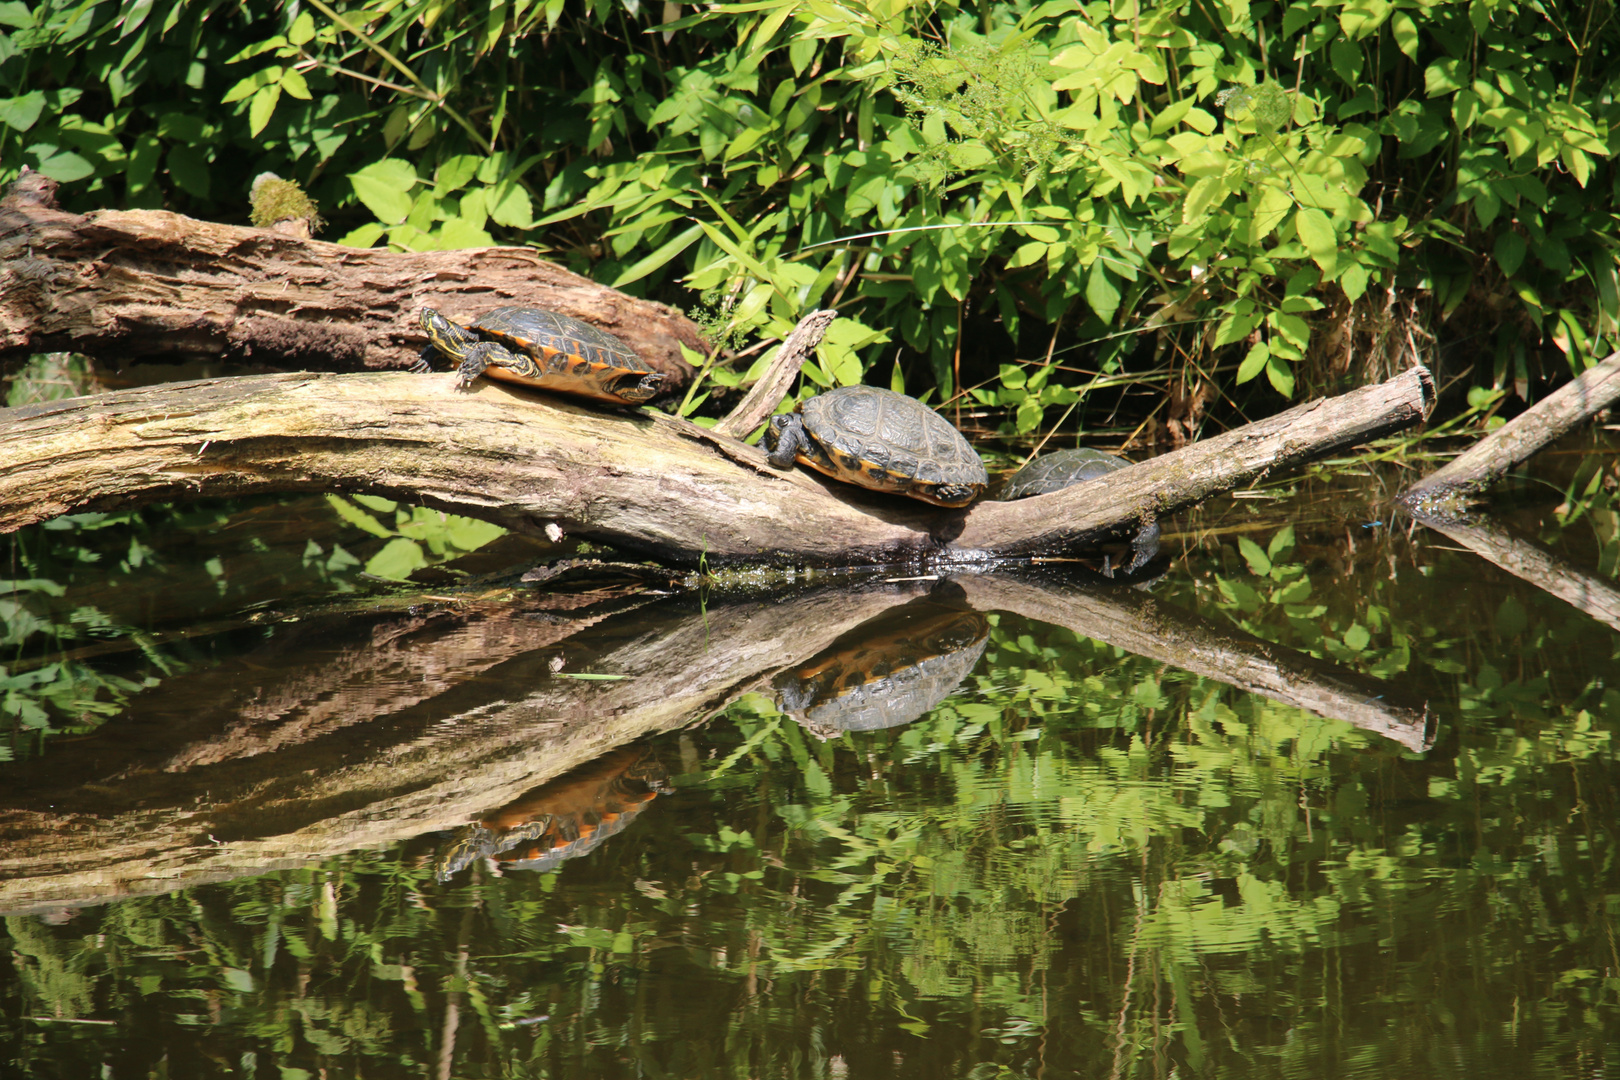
(147, 283)
(638, 480)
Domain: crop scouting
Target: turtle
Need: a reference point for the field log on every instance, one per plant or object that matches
(1065, 468)
(1059, 469)
(563, 819)
(545, 349)
(881, 440)
(889, 670)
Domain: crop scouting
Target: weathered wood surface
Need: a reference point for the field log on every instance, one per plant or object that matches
(639, 480)
(1513, 443)
(128, 284)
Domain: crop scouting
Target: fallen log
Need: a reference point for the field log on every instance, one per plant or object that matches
(1447, 490)
(639, 480)
(128, 284)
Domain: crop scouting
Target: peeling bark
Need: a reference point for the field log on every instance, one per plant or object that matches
(125, 285)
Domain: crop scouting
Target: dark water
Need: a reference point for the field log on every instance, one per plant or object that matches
(1334, 796)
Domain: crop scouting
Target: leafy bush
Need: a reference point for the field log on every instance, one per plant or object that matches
(1185, 192)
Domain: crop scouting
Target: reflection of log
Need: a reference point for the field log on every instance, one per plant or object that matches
(122, 813)
(640, 480)
(1148, 627)
(1483, 464)
(134, 283)
(1530, 562)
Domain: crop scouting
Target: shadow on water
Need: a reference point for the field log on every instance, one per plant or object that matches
(1323, 794)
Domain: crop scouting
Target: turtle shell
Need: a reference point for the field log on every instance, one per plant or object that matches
(890, 442)
(555, 352)
(1065, 468)
(887, 671)
(1059, 469)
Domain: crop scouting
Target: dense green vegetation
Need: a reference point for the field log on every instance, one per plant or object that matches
(1033, 202)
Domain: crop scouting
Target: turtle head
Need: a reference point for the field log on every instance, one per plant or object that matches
(950, 494)
(446, 336)
(783, 439)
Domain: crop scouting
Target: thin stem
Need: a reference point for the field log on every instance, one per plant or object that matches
(371, 43)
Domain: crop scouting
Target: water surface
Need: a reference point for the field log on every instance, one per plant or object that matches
(299, 823)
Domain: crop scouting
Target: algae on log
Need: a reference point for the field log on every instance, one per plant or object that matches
(635, 479)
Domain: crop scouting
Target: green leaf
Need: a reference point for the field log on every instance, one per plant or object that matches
(1259, 563)
(188, 167)
(1238, 324)
(262, 107)
(1316, 233)
(20, 113)
(1101, 292)
(385, 188)
(1254, 362)
(293, 82)
(1354, 281)
(666, 251)
(1509, 251)
(1280, 375)
(398, 559)
(303, 29)
(509, 205)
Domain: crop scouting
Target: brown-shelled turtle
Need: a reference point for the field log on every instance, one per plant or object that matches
(881, 440)
(889, 670)
(564, 819)
(544, 349)
(1059, 469)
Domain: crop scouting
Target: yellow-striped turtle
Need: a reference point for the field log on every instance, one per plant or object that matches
(563, 819)
(881, 440)
(544, 349)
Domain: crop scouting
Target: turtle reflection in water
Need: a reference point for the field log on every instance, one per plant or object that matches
(563, 819)
(889, 670)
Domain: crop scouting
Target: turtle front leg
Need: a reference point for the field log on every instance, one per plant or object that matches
(480, 356)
